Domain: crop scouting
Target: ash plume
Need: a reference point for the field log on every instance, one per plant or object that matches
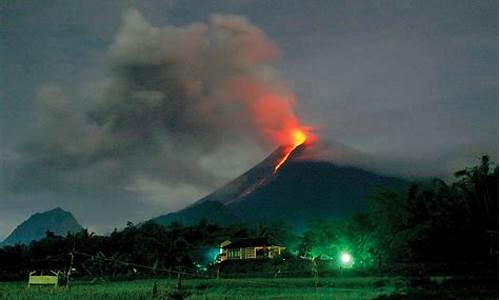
(176, 99)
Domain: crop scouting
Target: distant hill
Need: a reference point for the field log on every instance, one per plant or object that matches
(301, 191)
(57, 220)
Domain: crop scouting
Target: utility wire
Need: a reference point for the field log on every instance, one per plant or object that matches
(143, 266)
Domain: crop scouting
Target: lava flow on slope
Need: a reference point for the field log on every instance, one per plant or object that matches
(298, 137)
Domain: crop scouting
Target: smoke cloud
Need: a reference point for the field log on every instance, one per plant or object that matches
(177, 99)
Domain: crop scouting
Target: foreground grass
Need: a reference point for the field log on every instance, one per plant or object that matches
(255, 288)
(338, 288)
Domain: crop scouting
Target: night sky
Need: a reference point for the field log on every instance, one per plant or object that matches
(408, 83)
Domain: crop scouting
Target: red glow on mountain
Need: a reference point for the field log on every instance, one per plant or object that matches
(272, 113)
(297, 137)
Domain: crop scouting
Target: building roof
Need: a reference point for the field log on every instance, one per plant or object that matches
(242, 243)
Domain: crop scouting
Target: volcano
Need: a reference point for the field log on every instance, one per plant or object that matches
(299, 192)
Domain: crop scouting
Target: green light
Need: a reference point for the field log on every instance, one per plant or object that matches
(345, 258)
(212, 254)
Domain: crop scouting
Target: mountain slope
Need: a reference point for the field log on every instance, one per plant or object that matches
(301, 191)
(307, 190)
(57, 220)
(213, 212)
(246, 183)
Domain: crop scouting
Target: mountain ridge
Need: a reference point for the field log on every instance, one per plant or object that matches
(57, 221)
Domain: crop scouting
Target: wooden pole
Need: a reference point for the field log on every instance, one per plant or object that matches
(315, 273)
(155, 290)
(179, 280)
(68, 274)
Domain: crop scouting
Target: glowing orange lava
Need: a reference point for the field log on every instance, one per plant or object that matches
(298, 137)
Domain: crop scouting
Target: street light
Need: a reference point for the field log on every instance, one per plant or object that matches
(345, 259)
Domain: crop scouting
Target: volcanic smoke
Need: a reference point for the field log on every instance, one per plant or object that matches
(176, 97)
(271, 110)
(280, 125)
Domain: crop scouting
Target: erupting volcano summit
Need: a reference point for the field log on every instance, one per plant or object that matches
(299, 137)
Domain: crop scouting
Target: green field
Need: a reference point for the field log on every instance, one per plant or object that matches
(339, 288)
(255, 288)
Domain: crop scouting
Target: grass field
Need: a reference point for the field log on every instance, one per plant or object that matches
(255, 288)
(348, 288)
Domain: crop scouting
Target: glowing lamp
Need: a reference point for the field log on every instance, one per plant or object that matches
(345, 258)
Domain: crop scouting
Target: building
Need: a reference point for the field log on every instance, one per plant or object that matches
(258, 248)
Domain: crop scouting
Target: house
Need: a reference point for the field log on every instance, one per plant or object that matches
(256, 248)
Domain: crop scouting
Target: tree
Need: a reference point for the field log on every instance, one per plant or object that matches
(437, 221)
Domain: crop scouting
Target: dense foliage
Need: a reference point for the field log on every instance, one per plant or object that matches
(137, 250)
(430, 222)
